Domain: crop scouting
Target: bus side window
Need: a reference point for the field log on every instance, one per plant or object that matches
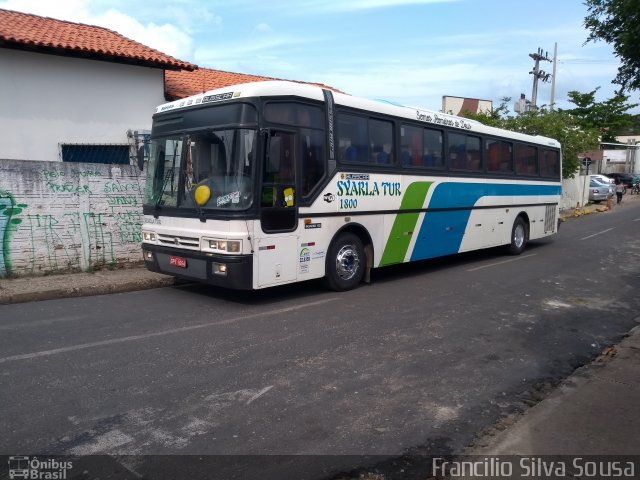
(457, 151)
(506, 157)
(353, 138)
(474, 162)
(474, 156)
(411, 145)
(526, 159)
(493, 157)
(549, 163)
(432, 156)
(381, 140)
(350, 154)
(499, 156)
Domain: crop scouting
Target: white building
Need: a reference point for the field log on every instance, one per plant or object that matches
(64, 85)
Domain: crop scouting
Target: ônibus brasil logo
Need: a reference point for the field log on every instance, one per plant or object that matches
(33, 468)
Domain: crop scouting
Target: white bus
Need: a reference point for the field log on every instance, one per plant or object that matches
(274, 182)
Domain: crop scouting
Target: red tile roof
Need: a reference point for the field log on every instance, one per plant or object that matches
(181, 84)
(48, 35)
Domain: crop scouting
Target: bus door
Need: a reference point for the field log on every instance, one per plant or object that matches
(276, 240)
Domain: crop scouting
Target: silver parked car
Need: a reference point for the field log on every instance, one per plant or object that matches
(603, 179)
(599, 191)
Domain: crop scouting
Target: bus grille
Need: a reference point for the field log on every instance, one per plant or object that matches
(550, 218)
(177, 241)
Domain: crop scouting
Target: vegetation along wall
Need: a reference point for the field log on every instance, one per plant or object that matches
(60, 217)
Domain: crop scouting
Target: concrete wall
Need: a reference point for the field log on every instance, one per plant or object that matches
(621, 161)
(615, 156)
(58, 216)
(49, 99)
(574, 190)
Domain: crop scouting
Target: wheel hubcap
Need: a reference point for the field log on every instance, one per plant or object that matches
(518, 236)
(347, 262)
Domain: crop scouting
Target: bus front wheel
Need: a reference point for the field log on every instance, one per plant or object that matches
(345, 263)
(518, 237)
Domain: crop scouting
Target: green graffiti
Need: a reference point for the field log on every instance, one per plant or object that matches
(9, 210)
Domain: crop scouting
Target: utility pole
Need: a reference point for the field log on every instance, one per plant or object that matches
(538, 74)
(553, 77)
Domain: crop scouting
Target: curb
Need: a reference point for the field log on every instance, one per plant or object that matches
(581, 212)
(87, 290)
(512, 435)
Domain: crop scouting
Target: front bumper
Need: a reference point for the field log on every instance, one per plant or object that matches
(200, 266)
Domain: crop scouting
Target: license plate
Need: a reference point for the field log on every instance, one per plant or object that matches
(178, 262)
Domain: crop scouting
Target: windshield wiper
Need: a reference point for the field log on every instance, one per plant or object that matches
(199, 209)
(200, 212)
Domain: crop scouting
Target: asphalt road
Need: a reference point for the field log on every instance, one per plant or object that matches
(418, 362)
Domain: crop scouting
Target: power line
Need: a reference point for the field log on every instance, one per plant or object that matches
(587, 62)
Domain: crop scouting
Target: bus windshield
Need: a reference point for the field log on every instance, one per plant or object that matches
(202, 170)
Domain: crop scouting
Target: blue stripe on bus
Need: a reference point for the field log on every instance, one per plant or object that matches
(441, 232)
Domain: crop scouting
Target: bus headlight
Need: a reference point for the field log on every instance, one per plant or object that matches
(233, 246)
(219, 268)
(226, 246)
(148, 236)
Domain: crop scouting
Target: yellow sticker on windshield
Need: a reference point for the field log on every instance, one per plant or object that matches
(288, 197)
(202, 194)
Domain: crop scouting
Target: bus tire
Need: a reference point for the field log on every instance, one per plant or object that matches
(345, 263)
(519, 235)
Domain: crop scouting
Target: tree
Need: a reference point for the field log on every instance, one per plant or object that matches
(562, 126)
(617, 22)
(608, 117)
(633, 128)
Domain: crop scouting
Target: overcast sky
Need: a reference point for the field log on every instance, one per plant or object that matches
(407, 51)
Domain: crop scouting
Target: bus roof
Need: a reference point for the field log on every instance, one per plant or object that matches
(280, 88)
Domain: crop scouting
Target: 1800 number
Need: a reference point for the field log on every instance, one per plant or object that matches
(348, 203)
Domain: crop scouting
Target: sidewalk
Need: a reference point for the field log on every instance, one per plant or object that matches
(599, 207)
(48, 287)
(595, 411)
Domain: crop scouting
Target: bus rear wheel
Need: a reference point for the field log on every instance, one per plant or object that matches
(518, 237)
(345, 263)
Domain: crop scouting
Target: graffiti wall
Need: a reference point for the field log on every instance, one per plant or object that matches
(57, 216)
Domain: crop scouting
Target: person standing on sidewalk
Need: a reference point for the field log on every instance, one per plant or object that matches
(619, 191)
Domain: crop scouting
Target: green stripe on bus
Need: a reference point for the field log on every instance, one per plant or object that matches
(405, 223)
